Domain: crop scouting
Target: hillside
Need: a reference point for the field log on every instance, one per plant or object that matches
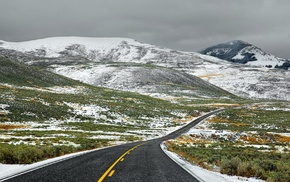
(16, 73)
(88, 59)
(142, 78)
(44, 115)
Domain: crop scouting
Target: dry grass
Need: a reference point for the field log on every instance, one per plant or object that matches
(217, 119)
(133, 99)
(245, 113)
(265, 139)
(209, 76)
(184, 140)
(187, 119)
(239, 124)
(282, 138)
(11, 126)
(3, 86)
(222, 105)
(193, 139)
(255, 139)
(250, 138)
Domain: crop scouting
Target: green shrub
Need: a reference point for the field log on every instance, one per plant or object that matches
(278, 177)
(27, 154)
(246, 161)
(231, 166)
(246, 169)
(267, 165)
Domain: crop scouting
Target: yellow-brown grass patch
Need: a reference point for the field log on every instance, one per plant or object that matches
(239, 124)
(249, 138)
(217, 119)
(264, 139)
(209, 76)
(247, 115)
(128, 98)
(282, 138)
(192, 139)
(184, 139)
(11, 126)
(185, 119)
(224, 105)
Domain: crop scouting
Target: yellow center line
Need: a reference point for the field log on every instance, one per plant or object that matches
(122, 159)
(116, 162)
(111, 173)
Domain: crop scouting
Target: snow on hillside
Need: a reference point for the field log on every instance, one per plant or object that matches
(140, 78)
(92, 48)
(245, 81)
(57, 44)
(79, 58)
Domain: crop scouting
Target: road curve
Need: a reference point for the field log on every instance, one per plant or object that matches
(139, 161)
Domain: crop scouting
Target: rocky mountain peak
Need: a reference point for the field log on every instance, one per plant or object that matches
(239, 51)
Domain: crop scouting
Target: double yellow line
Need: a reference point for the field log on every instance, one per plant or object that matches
(110, 170)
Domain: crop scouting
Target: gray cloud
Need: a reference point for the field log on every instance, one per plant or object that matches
(188, 25)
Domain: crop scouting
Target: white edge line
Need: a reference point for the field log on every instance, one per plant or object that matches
(181, 164)
(184, 164)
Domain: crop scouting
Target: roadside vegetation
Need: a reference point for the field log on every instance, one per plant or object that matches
(250, 141)
(240, 161)
(28, 154)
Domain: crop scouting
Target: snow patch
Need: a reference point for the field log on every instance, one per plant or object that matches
(3, 109)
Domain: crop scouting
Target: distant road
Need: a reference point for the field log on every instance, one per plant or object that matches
(134, 162)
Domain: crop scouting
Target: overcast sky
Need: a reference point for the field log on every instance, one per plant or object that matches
(188, 25)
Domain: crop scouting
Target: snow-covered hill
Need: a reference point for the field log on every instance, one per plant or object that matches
(94, 61)
(94, 49)
(141, 78)
(242, 52)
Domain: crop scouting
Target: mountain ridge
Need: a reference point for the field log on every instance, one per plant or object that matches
(82, 46)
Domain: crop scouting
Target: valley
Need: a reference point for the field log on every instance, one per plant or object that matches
(67, 94)
(50, 112)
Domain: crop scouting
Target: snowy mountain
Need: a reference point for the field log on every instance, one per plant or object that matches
(242, 52)
(115, 63)
(98, 49)
(79, 50)
(118, 63)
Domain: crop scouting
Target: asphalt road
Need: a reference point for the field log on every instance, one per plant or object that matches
(134, 162)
